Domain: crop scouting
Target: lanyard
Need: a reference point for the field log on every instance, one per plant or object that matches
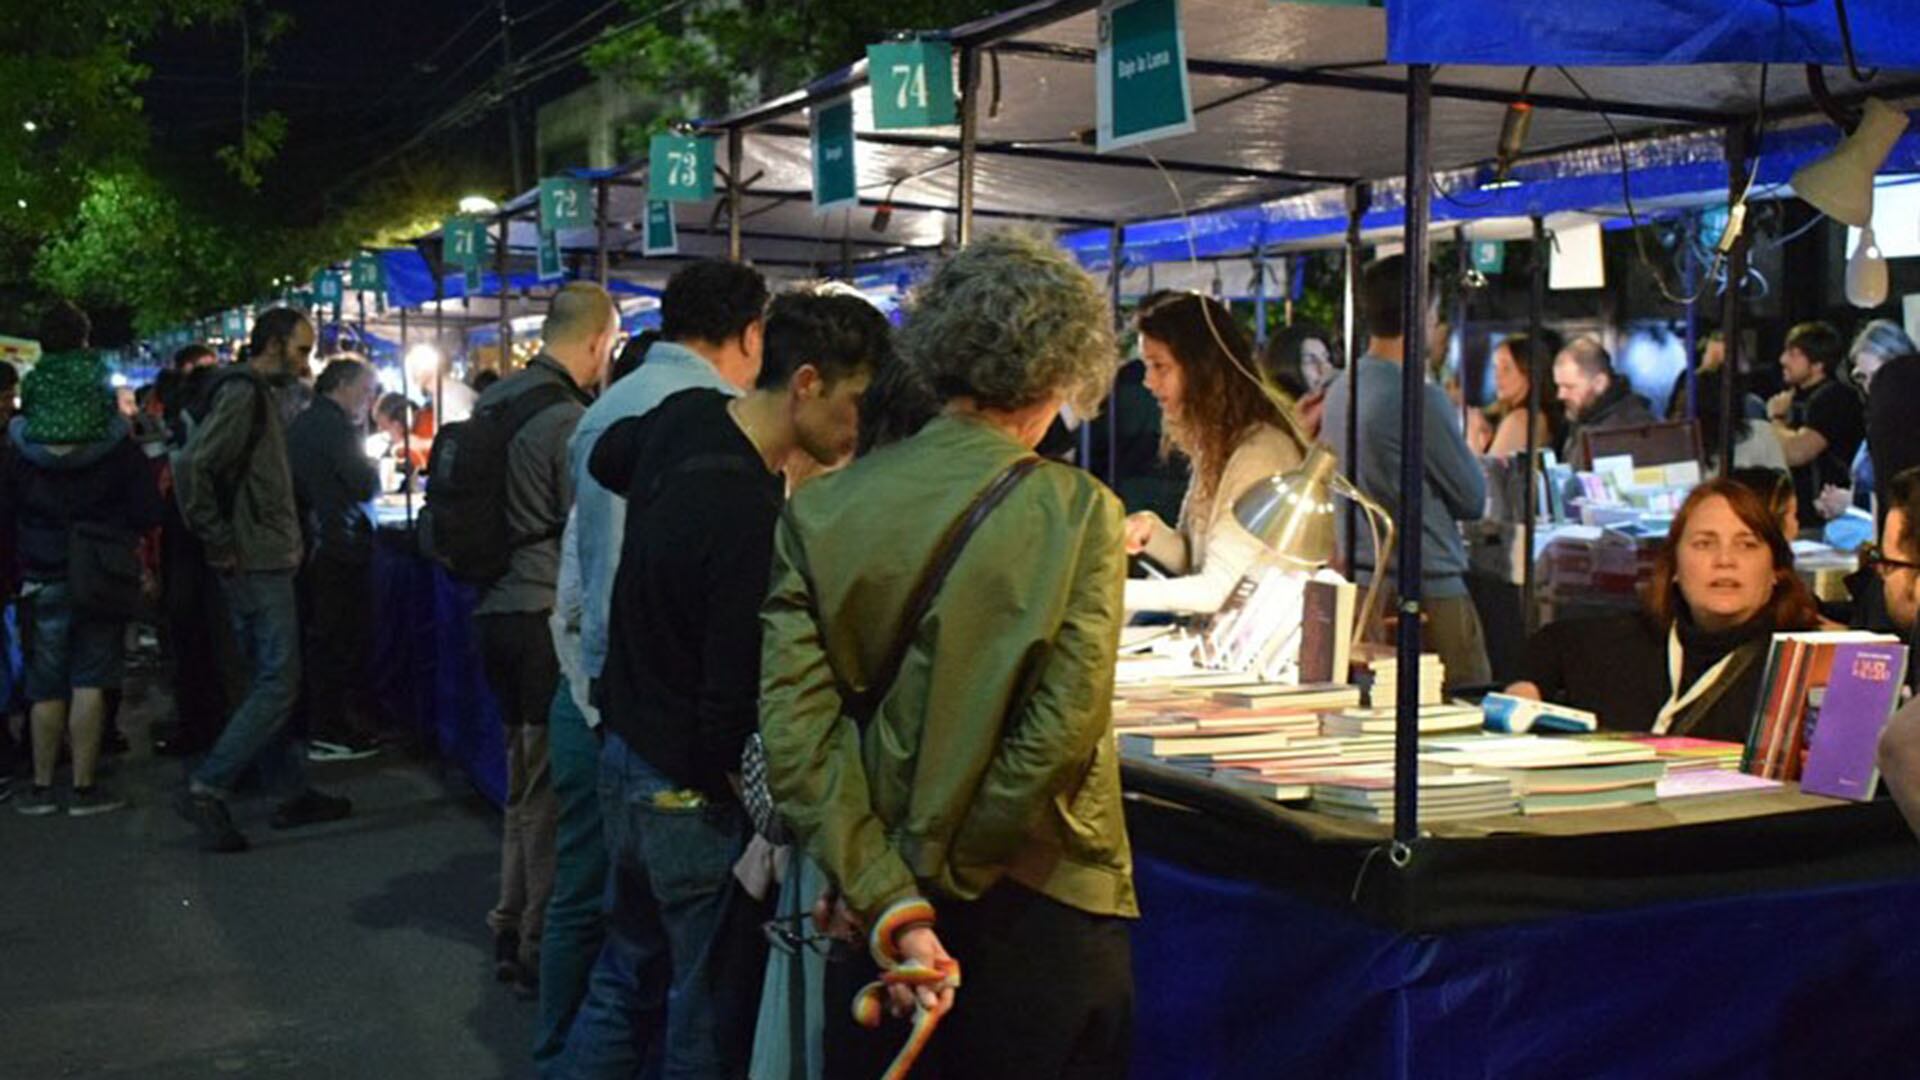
(1676, 701)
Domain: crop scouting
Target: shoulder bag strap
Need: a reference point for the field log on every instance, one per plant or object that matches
(862, 706)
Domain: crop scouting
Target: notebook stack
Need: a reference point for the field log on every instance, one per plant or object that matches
(1555, 775)
(1381, 720)
(1368, 795)
(1377, 667)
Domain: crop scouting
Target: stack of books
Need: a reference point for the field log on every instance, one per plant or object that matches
(1859, 672)
(1377, 668)
(1556, 775)
(1368, 795)
(1685, 754)
(1380, 720)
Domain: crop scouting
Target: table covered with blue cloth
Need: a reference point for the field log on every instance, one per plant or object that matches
(426, 662)
(1770, 935)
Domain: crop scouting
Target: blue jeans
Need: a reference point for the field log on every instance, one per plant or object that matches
(657, 998)
(576, 912)
(266, 627)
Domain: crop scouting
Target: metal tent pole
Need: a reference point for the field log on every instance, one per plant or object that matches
(1406, 728)
(1463, 259)
(1260, 288)
(1738, 144)
(1359, 197)
(736, 155)
(1536, 311)
(600, 230)
(969, 137)
(1117, 268)
(500, 294)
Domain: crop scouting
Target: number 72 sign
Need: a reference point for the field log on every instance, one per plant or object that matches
(680, 168)
(912, 84)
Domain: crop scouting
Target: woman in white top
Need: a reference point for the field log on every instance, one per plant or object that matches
(1234, 432)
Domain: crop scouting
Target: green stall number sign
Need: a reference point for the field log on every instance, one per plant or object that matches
(367, 273)
(464, 244)
(835, 179)
(328, 289)
(660, 235)
(680, 168)
(551, 269)
(565, 203)
(233, 325)
(1489, 256)
(1141, 76)
(912, 84)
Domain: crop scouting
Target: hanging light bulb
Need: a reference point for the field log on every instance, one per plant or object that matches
(1867, 273)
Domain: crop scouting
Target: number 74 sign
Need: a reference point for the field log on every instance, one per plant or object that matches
(912, 84)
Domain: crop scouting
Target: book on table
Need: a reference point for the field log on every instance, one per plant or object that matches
(1384, 720)
(1795, 681)
(1843, 737)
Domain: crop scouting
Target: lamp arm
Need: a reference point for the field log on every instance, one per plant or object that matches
(1384, 538)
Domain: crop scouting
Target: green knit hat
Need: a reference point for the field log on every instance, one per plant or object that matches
(66, 399)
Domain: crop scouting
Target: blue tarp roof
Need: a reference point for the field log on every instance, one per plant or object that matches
(1684, 167)
(1886, 33)
(410, 281)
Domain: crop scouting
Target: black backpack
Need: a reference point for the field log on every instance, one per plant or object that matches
(463, 526)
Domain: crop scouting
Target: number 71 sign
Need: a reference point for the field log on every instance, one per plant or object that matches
(680, 168)
(912, 84)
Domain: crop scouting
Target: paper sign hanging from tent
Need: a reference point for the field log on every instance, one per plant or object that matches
(1489, 256)
(1579, 259)
(912, 84)
(680, 168)
(550, 268)
(835, 180)
(1141, 86)
(565, 203)
(367, 272)
(327, 287)
(659, 233)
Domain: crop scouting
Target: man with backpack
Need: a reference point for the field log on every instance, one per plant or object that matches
(498, 492)
(704, 474)
(235, 488)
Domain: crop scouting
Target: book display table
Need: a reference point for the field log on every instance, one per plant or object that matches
(1775, 934)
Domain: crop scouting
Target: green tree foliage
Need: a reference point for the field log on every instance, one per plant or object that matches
(722, 56)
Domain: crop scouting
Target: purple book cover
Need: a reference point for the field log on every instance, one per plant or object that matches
(1861, 695)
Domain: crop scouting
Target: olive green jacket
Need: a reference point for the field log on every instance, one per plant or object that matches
(993, 753)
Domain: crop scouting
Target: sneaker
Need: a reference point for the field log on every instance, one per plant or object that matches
(506, 956)
(347, 749)
(37, 801)
(209, 815)
(97, 799)
(310, 807)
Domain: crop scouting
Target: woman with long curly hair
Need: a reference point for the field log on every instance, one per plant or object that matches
(1232, 429)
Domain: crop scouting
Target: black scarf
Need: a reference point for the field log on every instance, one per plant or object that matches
(1701, 649)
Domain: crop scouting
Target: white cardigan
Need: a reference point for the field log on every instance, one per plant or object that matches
(1210, 551)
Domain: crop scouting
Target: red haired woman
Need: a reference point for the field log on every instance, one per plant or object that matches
(1691, 663)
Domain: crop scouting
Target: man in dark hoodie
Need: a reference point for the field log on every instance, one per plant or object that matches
(73, 465)
(1596, 396)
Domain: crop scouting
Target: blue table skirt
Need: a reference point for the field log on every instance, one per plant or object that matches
(1240, 979)
(426, 663)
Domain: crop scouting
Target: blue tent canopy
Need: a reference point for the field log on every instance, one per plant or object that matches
(1688, 169)
(1886, 33)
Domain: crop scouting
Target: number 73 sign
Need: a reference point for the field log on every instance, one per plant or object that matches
(912, 84)
(680, 168)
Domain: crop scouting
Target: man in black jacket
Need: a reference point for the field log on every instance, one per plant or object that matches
(1596, 396)
(1899, 569)
(333, 479)
(703, 477)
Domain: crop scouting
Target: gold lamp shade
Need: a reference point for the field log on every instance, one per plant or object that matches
(1840, 185)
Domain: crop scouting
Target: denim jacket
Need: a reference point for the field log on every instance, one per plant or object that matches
(600, 523)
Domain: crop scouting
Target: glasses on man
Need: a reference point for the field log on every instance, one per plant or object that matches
(1872, 555)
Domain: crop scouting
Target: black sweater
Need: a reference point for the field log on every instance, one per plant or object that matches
(1616, 666)
(682, 678)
